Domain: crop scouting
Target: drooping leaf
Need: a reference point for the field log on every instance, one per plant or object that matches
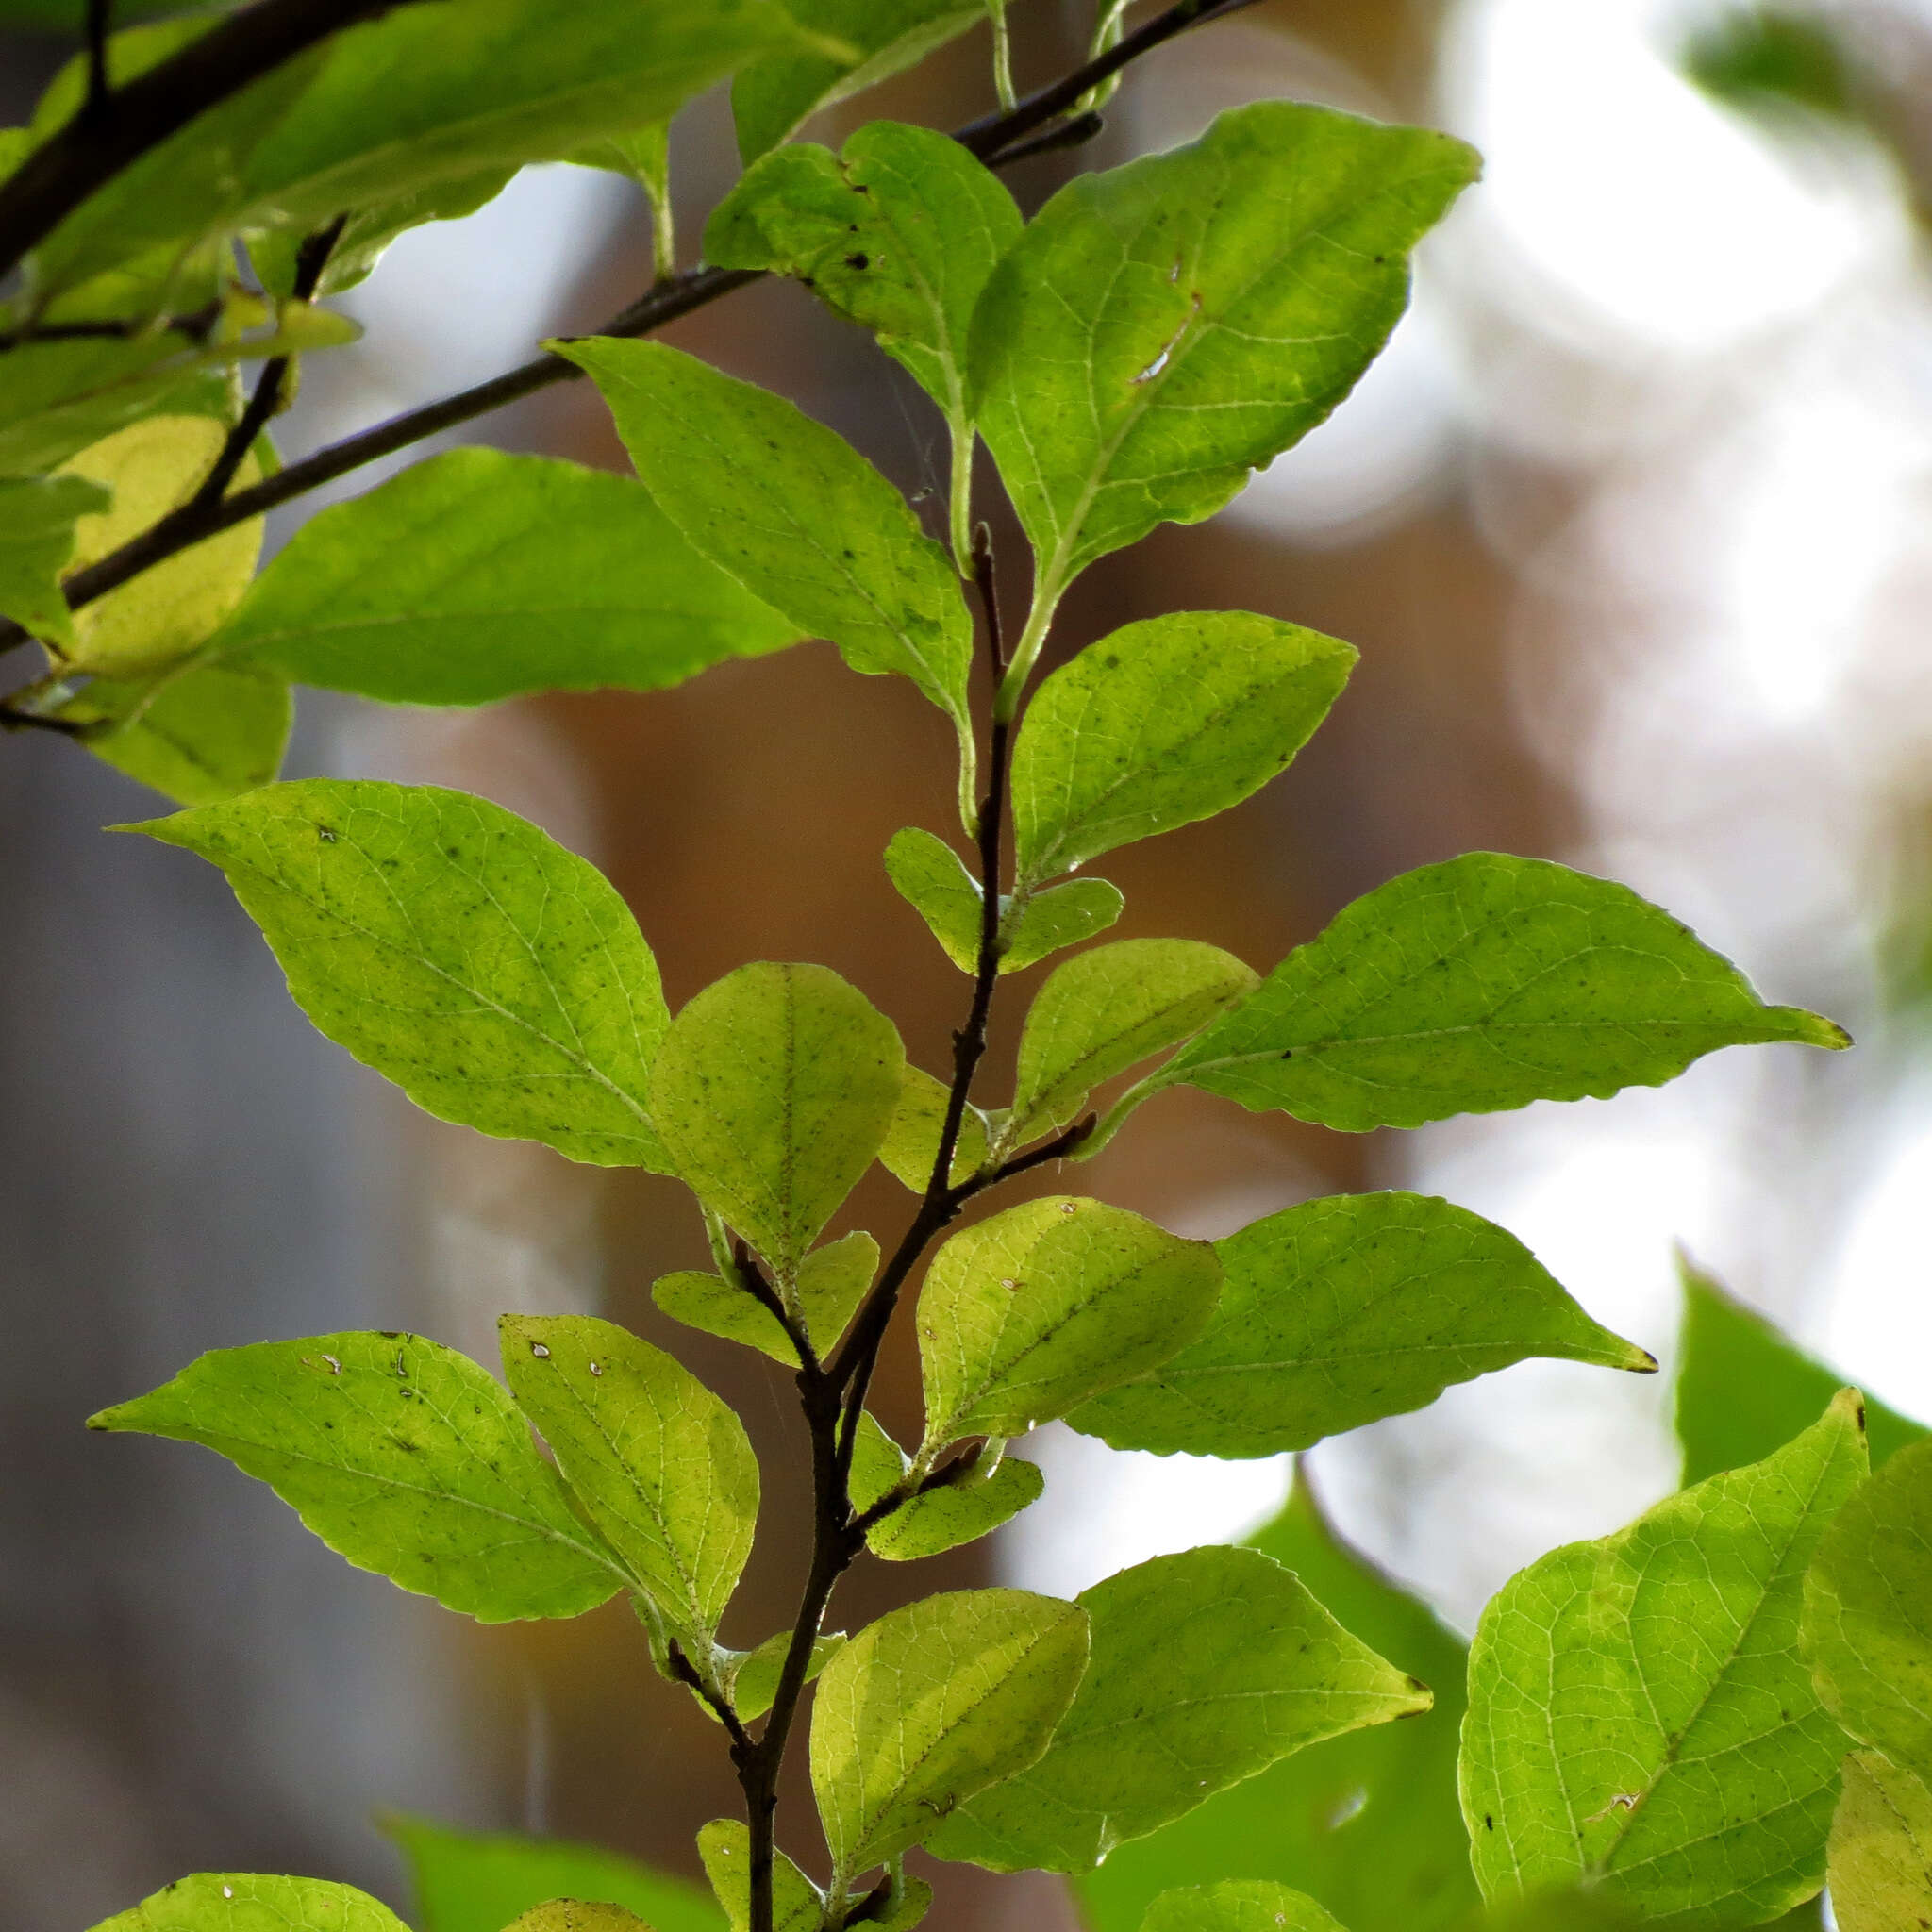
(898, 232)
(1207, 1668)
(1164, 328)
(36, 519)
(660, 1465)
(196, 732)
(750, 1677)
(1237, 1905)
(912, 1140)
(1367, 1821)
(1867, 1630)
(253, 1902)
(932, 878)
(791, 511)
(1047, 1304)
(401, 1455)
(724, 1845)
(578, 1915)
(477, 575)
(1104, 1011)
(931, 1704)
(774, 1091)
(152, 467)
(960, 1512)
(1162, 723)
(1060, 916)
(1343, 1310)
(496, 977)
(1881, 1848)
(1743, 1390)
(468, 1881)
(1638, 1710)
(832, 1282)
(862, 42)
(416, 98)
(1479, 984)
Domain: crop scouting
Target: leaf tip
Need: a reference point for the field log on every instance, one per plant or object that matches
(1814, 1029)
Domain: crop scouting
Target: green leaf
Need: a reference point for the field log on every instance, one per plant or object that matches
(477, 576)
(1638, 1710)
(931, 1704)
(958, 1512)
(1165, 327)
(1482, 983)
(36, 519)
(897, 233)
(154, 467)
(1163, 723)
(724, 1845)
(661, 1466)
(1207, 1668)
(196, 732)
(468, 1881)
(912, 1140)
(862, 42)
(249, 1902)
(832, 1282)
(1367, 1821)
(1340, 1311)
(578, 1915)
(1742, 1389)
(1037, 1309)
(1101, 1013)
(1060, 916)
(793, 511)
(57, 398)
(932, 878)
(398, 105)
(1881, 1848)
(497, 979)
(750, 1677)
(1867, 1630)
(401, 1455)
(1237, 1905)
(774, 1091)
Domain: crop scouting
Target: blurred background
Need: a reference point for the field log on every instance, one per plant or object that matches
(1633, 527)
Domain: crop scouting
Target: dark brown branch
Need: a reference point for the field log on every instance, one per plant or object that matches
(685, 1671)
(1074, 133)
(100, 16)
(752, 1278)
(93, 147)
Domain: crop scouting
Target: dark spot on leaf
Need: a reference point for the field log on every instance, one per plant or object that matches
(1488, 1823)
(1862, 1415)
(859, 262)
(1287, 1053)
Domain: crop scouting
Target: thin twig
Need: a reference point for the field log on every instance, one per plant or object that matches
(1074, 133)
(100, 17)
(685, 1671)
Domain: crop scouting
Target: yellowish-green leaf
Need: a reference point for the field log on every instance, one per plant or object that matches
(774, 1091)
(1207, 1668)
(912, 1140)
(1479, 984)
(37, 519)
(496, 977)
(1868, 1612)
(1060, 916)
(477, 576)
(660, 1465)
(832, 1282)
(153, 467)
(1162, 723)
(197, 732)
(1106, 1010)
(930, 1704)
(724, 1845)
(1237, 1905)
(1048, 1304)
(578, 1915)
(1638, 1710)
(250, 1902)
(750, 1677)
(1163, 329)
(401, 1455)
(1880, 1859)
(1340, 1311)
(957, 1512)
(932, 878)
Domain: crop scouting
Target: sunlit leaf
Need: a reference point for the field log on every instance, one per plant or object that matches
(36, 519)
(250, 1902)
(1060, 916)
(724, 1845)
(958, 1512)
(832, 1282)
(931, 1704)
(912, 1140)
(1482, 983)
(497, 979)
(1881, 1848)
(1047, 1304)
(750, 1677)
(1237, 1905)
(932, 878)
(774, 1091)
(1343, 1310)
(1162, 723)
(578, 1915)
(1207, 1668)
(1638, 1710)
(401, 1455)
